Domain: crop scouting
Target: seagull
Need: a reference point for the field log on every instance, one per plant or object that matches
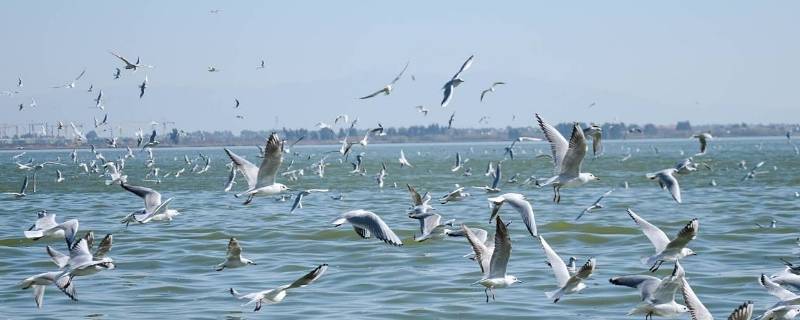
(456, 80)
(698, 311)
(458, 164)
(261, 180)
(403, 161)
(262, 65)
(596, 132)
(381, 175)
(212, 69)
(666, 179)
(666, 249)
(277, 295)
(456, 195)
(428, 225)
(20, 85)
(154, 208)
(81, 262)
(519, 203)
(785, 297)
(703, 139)
(752, 173)
(366, 223)
(567, 283)
(595, 205)
(128, 64)
(44, 223)
(658, 295)
(117, 73)
(152, 142)
(71, 84)
(772, 225)
(298, 200)
(231, 179)
(388, 88)
(21, 193)
(98, 102)
(233, 258)
(481, 249)
(567, 158)
(495, 275)
(491, 89)
(422, 110)
(420, 203)
(495, 183)
(450, 121)
(322, 125)
(142, 87)
(39, 282)
(236, 103)
(59, 176)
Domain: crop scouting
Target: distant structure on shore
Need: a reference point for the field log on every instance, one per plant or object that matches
(43, 135)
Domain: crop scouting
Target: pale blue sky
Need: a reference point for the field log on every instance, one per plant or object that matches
(704, 61)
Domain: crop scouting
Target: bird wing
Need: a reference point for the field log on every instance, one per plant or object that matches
(482, 254)
(273, 157)
(121, 58)
(464, 66)
(416, 199)
(79, 254)
(775, 289)
(234, 249)
(646, 284)
(247, 168)
(58, 258)
(152, 198)
(665, 292)
(696, 308)
(400, 74)
(656, 236)
(80, 75)
(24, 185)
(497, 176)
(743, 312)
(309, 277)
(483, 93)
(104, 247)
(558, 145)
(429, 223)
(688, 233)
(559, 267)
(448, 94)
(373, 94)
(671, 183)
(525, 211)
(375, 225)
(576, 151)
(502, 251)
(297, 200)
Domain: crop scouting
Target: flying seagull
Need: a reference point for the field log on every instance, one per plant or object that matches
(261, 180)
(666, 179)
(657, 295)
(388, 88)
(277, 295)
(567, 283)
(495, 275)
(298, 200)
(71, 84)
(234, 258)
(666, 249)
(703, 138)
(154, 209)
(128, 64)
(456, 80)
(595, 205)
(520, 204)
(142, 87)
(21, 193)
(491, 89)
(567, 158)
(367, 223)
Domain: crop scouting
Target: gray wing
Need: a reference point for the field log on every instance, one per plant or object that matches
(656, 236)
(80, 75)
(415, 197)
(448, 94)
(231, 179)
(559, 267)
(58, 258)
(152, 198)
(482, 254)
(672, 185)
(525, 211)
(104, 247)
(79, 254)
(688, 233)
(571, 164)
(309, 277)
(297, 200)
(464, 66)
(743, 312)
(273, 156)
(400, 74)
(234, 249)
(558, 145)
(775, 289)
(646, 284)
(247, 168)
(497, 176)
(696, 308)
(375, 225)
(665, 292)
(373, 94)
(502, 251)
(428, 224)
(24, 185)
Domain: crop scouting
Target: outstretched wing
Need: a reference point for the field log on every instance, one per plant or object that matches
(558, 144)
(400, 74)
(575, 153)
(152, 198)
(273, 157)
(247, 168)
(309, 277)
(502, 251)
(656, 236)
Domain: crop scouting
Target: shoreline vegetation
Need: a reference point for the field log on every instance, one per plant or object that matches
(174, 137)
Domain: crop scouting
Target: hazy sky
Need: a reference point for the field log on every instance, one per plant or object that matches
(703, 61)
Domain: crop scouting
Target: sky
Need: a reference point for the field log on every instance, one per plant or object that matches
(709, 62)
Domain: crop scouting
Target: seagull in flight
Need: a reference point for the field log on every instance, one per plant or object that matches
(142, 87)
(491, 89)
(595, 205)
(298, 200)
(567, 158)
(666, 179)
(128, 64)
(388, 88)
(152, 142)
(456, 80)
(450, 121)
(277, 295)
(520, 204)
(494, 273)
(71, 84)
(423, 110)
(154, 208)
(21, 193)
(403, 161)
(703, 138)
(261, 180)
(567, 283)
(596, 133)
(233, 258)
(262, 65)
(117, 73)
(666, 249)
(657, 295)
(366, 223)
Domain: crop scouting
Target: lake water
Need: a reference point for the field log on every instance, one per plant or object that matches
(168, 268)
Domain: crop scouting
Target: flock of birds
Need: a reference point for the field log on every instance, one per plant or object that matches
(490, 253)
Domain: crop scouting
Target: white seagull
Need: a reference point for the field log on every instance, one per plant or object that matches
(277, 295)
(154, 208)
(495, 275)
(403, 161)
(366, 223)
(456, 80)
(261, 180)
(595, 205)
(298, 200)
(519, 203)
(491, 89)
(234, 258)
(567, 158)
(386, 90)
(21, 193)
(666, 249)
(568, 284)
(658, 295)
(666, 179)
